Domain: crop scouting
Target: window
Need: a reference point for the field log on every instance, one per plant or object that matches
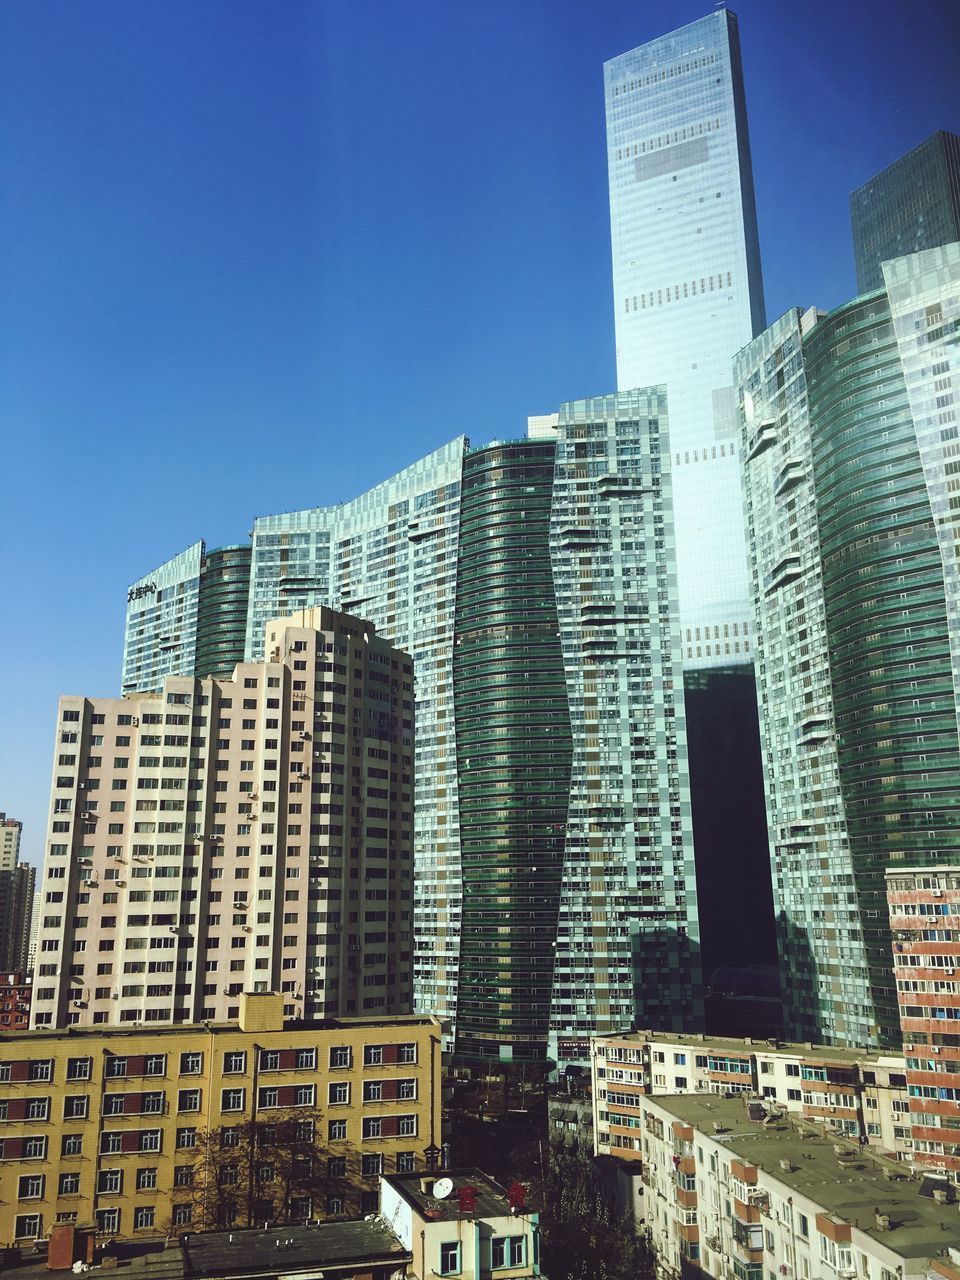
(337, 1167)
(337, 1130)
(340, 1056)
(69, 1184)
(191, 1064)
(186, 1139)
(372, 1090)
(79, 1068)
(371, 1127)
(183, 1175)
(76, 1106)
(335, 1204)
(406, 1161)
(41, 1070)
(182, 1215)
(143, 1216)
(306, 1059)
(339, 1092)
(407, 1053)
(234, 1063)
(450, 1258)
(28, 1226)
(146, 1179)
(188, 1100)
(155, 1064)
(233, 1099)
(371, 1166)
(108, 1221)
(71, 1144)
(407, 1126)
(507, 1251)
(30, 1186)
(109, 1182)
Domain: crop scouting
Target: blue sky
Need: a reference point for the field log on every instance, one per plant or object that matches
(258, 256)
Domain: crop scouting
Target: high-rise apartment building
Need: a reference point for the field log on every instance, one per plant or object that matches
(688, 294)
(925, 922)
(228, 836)
(17, 884)
(532, 583)
(850, 438)
(911, 205)
(11, 832)
(187, 617)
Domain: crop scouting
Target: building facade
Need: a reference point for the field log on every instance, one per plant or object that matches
(913, 204)
(925, 920)
(532, 583)
(858, 1095)
(732, 1193)
(187, 617)
(11, 833)
(464, 1225)
(224, 836)
(113, 1126)
(16, 993)
(688, 294)
(849, 431)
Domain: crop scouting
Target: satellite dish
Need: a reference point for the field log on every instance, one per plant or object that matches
(442, 1188)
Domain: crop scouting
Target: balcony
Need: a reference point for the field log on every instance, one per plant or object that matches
(761, 440)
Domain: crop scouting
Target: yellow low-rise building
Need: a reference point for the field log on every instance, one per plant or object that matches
(147, 1131)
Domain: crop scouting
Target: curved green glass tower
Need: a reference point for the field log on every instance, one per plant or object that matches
(886, 619)
(222, 611)
(514, 752)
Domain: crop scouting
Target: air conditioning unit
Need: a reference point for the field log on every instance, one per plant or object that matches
(949, 971)
(936, 893)
(908, 1048)
(135, 720)
(934, 1048)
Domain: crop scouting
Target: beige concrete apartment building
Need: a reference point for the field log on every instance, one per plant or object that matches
(217, 836)
(10, 832)
(854, 1094)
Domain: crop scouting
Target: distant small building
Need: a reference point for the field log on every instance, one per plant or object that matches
(358, 1250)
(15, 993)
(462, 1224)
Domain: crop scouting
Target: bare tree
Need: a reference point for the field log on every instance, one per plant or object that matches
(260, 1171)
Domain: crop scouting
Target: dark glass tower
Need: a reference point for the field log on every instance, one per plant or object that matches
(222, 611)
(886, 617)
(514, 751)
(911, 205)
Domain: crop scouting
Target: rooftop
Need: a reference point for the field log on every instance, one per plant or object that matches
(41, 1034)
(855, 1189)
(493, 1200)
(747, 1045)
(290, 1249)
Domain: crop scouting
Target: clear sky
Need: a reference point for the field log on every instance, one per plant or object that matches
(256, 256)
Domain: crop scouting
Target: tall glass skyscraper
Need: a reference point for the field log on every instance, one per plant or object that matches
(911, 205)
(688, 295)
(187, 617)
(850, 439)
(532, 581)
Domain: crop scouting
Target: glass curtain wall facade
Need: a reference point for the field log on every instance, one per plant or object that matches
(222, 611)
(912, 205)
(160, 636)
(513, 751)
(849, 440)
(688, 294)
(628, 949)
(390, 556)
